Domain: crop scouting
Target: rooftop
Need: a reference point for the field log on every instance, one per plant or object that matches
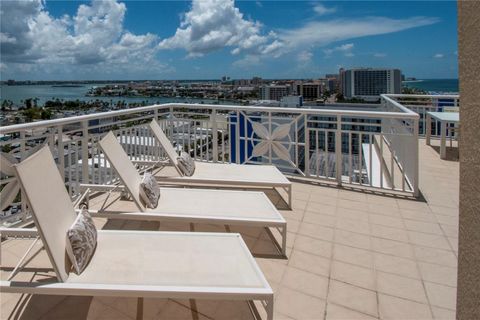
(352, 254)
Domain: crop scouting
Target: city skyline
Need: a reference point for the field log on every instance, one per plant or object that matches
(67, 40)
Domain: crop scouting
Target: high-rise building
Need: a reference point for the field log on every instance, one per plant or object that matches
(274, 92)
(369, 83)
(310, 90)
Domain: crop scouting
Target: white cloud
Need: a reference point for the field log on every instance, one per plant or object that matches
(346, 49)
(379, 55)
(248, 61)
(321, 33)
(321, 10)
(95, 36)
(304, 57)
(212, 25)
(438, 56)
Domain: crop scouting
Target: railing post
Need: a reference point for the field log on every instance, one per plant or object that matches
(338, 150)
(61, 154)
(307, 148)
(213, 119)
(416, 158)
(51, 138)
(85, 173)
(22, 157)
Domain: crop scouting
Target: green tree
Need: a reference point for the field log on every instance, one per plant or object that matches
(28, 103)
(46, 114)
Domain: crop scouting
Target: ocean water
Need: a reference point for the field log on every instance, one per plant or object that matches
(434, 85)
(18, 94)
(43, 93)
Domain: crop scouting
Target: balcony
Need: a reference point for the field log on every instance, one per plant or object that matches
(372, 233)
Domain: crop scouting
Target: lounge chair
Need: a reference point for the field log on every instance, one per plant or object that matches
(221, 207)
(149, 264)
(221, 174)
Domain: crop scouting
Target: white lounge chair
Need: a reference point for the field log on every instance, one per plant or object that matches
(178, 265)
(221, 207)
(231, 175)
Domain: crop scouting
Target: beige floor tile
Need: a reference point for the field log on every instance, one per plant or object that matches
(300, 195)
(448, 211)
(316, 231)
(299, 205)
(387, 221)
(382, 200)
(420, 226)
(450, 231)
(273, 269)
(322, 208)
(448, 220)
(293, 225)
(321, 219)
(453, 243)
(428, 240)
(352, 239)
(325, 202)
(352, 274)
(353, 297)
(281, 316)
(396, 265)
(335, 312)
(306, 282)
(298, 305)
(331, 192)
(412, 205)
(352, 195)
(397, 308)
(311, 263)
(438, 274)
(313, 246)
(352, 214)
(353, 255)
(353, 225)
(395, 248)
(352, 204)
(401, 287)
(443, 314)
(101, 311)
(389, 209)
(224, 309)
(418, 215)
(390, 233)
(441, 296)
(437, 256)
(296, 215)
(177, 310)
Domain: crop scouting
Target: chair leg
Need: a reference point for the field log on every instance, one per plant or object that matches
(269, 308)
(284, 240)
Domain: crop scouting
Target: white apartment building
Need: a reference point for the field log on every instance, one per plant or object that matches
(370, 83)
(274, 92)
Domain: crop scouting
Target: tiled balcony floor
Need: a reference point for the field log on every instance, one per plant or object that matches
(351, 255)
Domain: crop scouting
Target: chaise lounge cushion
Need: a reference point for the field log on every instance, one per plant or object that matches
(149, 191)
(81, 241)
(186, 164)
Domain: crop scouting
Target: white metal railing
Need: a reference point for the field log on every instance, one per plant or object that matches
(422, 104)
(373, 149)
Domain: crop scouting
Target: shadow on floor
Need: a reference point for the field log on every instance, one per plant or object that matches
(452, 153)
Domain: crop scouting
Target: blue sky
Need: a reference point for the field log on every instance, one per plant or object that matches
(206, 39)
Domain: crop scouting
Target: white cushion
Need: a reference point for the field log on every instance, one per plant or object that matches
(149, 191)
(186, 164)
(81, 241)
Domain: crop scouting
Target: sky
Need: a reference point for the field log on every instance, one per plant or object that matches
(208, 39)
